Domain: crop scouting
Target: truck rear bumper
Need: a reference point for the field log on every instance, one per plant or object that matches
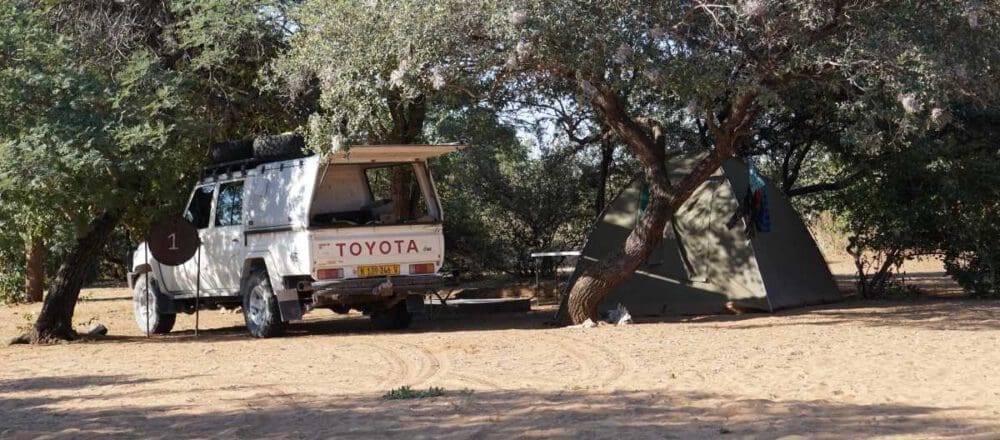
(366, 290)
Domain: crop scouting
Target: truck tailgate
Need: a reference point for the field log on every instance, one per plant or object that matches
(376, 246)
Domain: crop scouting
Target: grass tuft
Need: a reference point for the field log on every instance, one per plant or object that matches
(405, 392)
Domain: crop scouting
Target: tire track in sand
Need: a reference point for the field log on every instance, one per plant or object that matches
(603, 368)
(469, 379)
(435, 367)
(589, 369)
(428, 365)
(395, 366)
(408, 364)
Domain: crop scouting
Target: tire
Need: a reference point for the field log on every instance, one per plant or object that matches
(231, 151)
(279, 147)
(159, 323)
(260, 307)
(394, 318)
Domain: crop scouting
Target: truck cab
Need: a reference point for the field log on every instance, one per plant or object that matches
(354, 229)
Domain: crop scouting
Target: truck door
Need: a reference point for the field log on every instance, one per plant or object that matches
(223, 244)
(181, 279)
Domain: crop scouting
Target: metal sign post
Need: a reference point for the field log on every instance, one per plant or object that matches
(197, 294)
(145, 250)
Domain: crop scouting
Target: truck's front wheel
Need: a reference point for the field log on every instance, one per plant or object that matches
(260, 307)
(393, 318)
(144, 306)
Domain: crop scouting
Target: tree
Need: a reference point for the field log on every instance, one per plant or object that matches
(109, 105)
(646, 69)
(366, 59)
(936, 195)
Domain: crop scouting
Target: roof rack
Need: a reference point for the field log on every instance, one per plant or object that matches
(241, 165)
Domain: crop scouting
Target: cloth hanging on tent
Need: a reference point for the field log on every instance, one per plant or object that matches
(753, 207)
(757, 182)
(644, 197)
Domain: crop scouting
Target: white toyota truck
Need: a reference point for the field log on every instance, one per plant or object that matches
(284, 236)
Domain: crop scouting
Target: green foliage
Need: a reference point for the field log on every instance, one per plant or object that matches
(970, 187)
(935, 194)
(404, 392)
(221, 46)
(41, 102)
(501, 204)
(12, 269)
(102, 144)
(109, 107)
(371, 61)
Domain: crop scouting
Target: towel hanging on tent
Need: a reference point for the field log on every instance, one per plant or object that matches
(753, 207)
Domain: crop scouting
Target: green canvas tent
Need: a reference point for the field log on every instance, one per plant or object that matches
(701, 265)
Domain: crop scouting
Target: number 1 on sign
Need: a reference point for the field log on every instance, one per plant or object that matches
(173, 241)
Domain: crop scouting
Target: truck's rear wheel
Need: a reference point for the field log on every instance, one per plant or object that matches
(394, 318)
(144, 306)
(260, 307)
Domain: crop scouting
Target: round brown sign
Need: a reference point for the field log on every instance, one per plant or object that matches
(173, 241)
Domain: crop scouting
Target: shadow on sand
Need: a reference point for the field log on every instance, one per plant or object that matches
(922, 313)
(265, 412)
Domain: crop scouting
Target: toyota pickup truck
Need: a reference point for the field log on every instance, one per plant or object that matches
(281, 237)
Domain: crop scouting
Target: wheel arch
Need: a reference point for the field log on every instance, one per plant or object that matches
(260, 261)
(250, 265)
(136, 271)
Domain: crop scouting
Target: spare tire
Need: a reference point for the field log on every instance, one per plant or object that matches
(279, 147)
(231, 151)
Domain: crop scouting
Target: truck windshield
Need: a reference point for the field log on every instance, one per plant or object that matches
(373, 194)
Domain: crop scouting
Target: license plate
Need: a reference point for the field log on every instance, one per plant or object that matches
(378, 271)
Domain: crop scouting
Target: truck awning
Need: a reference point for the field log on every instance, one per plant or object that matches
(390, 153)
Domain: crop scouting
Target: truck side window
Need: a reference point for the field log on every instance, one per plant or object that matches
(199, 211)
(229, 210)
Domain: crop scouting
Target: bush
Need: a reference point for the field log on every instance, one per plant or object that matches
(12, 262)
(11, 282)
(936, 194)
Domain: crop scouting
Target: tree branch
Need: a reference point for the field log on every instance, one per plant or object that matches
(826, 186)
(645, 147)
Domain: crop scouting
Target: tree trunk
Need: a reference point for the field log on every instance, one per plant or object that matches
(408, 122)
(34, 275)
(599, 278)
(401, 194)
(56, 318)
(607, 158)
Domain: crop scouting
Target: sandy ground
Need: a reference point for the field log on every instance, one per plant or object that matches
(902, 369)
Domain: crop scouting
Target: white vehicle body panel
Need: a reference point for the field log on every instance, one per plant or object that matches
(285, 253)
(279, 194)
